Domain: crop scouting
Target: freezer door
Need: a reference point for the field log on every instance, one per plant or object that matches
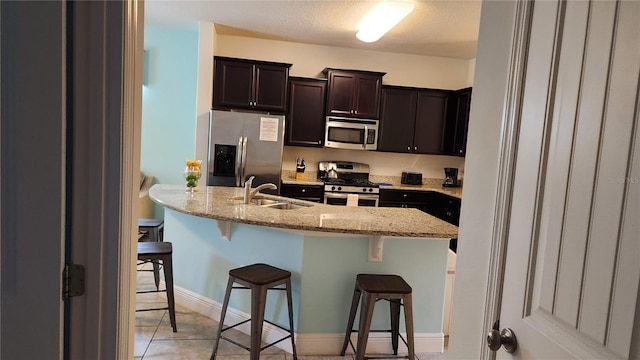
(225, 134)
(263, 158)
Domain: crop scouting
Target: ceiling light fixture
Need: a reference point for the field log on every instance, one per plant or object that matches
(381, 18)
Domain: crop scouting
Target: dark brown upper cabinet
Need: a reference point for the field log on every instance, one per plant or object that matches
(353, 93)
(413, 120)
(305, 117)
(458, 122)
(250, 84)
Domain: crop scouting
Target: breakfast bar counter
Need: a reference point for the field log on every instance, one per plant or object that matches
(225, 204)
(323, 246)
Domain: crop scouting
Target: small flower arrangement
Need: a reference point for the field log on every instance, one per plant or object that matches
(192, 174)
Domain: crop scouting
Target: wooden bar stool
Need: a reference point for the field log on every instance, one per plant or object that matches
(152, 230)
(160, 252)
(372, 288)
(258, 278)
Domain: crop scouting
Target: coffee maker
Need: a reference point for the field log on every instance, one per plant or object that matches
(450, 177)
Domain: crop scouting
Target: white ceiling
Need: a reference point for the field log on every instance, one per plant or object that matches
(446, 28)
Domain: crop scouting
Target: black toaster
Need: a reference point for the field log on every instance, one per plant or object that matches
(411, 178)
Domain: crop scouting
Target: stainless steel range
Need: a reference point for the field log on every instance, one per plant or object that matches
(347, 183)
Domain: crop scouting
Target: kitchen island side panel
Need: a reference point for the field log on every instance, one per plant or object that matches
(323, 270)
(202, 260)
(329, 272)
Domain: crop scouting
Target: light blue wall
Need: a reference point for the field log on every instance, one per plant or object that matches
(169, 104)
(323, 270)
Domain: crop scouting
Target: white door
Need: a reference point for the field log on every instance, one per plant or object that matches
(571, 273)
(572, 270)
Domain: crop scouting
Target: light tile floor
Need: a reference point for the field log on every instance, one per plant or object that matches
(155, 340)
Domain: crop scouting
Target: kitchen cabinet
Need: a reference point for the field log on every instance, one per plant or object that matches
(353, 93)
(305, 117)
(458, 122)
(447, 208)
(313, 193)
(422, 200)
(413, 120)
(250, 84)
(440, 205)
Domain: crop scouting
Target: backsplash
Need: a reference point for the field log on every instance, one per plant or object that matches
(381, 163)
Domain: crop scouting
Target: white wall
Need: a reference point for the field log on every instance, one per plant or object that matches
(401, 69)
(309, 61)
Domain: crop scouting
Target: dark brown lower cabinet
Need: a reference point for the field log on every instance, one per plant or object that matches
(442, 206)
(313, 193)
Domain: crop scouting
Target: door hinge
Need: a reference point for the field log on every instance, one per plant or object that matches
(73, 281)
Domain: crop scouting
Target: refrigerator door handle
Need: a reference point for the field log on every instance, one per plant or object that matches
(244, 158)
(239, 161)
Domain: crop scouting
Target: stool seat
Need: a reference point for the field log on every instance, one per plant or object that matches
(150, 222)
(374, 287)
(160, 253)
(259, 274)
(383, 284)
(154, 248)
(259, 278)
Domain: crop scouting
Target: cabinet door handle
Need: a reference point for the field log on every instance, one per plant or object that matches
(415, 148)
(404, 195)
(304, 190)
(408, 148)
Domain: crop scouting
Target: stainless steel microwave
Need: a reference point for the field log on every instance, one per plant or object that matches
(351, 133)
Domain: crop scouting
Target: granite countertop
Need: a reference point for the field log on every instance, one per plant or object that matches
(216, 202)
(428, 184)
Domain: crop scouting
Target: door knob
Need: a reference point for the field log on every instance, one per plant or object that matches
(506, 338)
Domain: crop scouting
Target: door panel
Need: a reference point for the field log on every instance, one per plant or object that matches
(571, 273)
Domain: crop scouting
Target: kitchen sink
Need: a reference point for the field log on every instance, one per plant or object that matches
(285, 206)
(274, 203)
(263, 201)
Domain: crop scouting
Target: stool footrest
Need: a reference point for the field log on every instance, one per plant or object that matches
(248, 348)
(150, 291)
(246, 321)
(379, 357)
(232, 326)
(153, 309)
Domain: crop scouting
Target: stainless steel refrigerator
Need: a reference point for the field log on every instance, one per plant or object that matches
(243, 144)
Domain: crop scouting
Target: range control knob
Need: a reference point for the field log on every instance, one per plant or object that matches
(370, 190)
(364, 189)
(339, 188)
(333, 188)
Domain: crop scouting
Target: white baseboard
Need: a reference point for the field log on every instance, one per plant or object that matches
(306, 344)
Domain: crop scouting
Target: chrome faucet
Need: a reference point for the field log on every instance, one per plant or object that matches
(249, 194)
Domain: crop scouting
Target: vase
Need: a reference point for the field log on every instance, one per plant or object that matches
(192, 174)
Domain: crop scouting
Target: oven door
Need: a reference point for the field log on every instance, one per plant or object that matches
(354, 134)
(341, 199)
